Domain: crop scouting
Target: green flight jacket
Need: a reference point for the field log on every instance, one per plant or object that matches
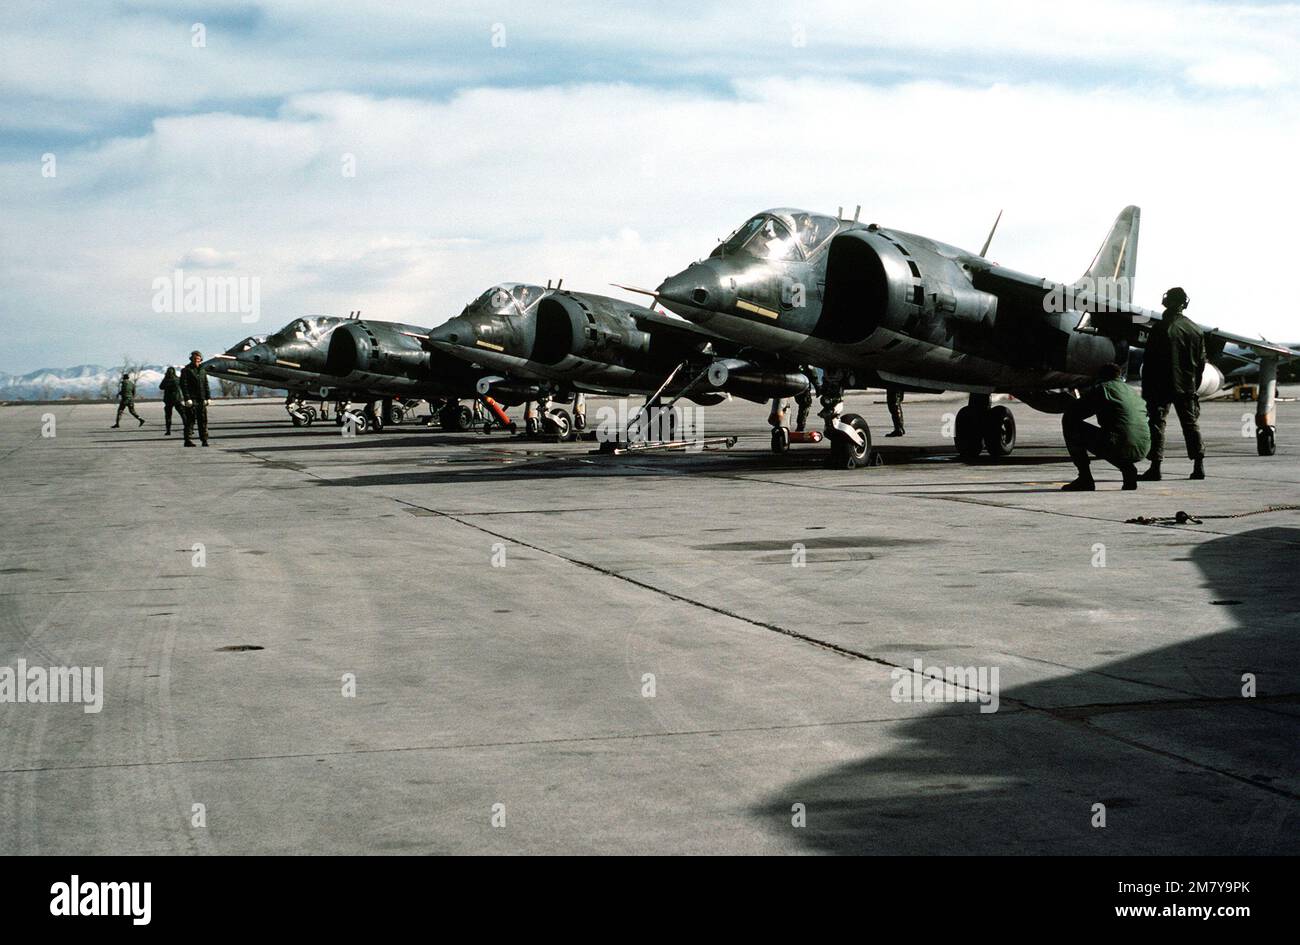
(126, 390)
(194, 384)
(171, 390)
(1174, 360)
(1122, 416)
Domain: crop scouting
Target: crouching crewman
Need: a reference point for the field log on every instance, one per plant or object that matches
(1122, 436)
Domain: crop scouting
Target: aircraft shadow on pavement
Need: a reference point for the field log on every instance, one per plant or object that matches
(1024, 780)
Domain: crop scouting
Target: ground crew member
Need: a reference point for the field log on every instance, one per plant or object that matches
(171, 391)
(804, 400)
(1122, 438)
(894, 398)
(195, 395)
(126, 399)
(1171, 374)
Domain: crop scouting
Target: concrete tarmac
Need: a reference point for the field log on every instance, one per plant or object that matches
(420, 642)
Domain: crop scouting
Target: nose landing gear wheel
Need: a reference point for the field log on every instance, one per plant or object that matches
(1265, 441)
(845, 454)
(780, 439)
(999, 431)
(558, 423)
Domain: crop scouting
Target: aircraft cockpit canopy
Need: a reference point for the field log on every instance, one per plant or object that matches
(310, 328)
(505, 299)
(779, 234)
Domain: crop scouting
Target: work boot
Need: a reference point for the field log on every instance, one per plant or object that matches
(1153, 472)
(897, 431)
(189, 443)
(115, 426)
(1082, 484)
(205, 443)
(1198, 469)
(141, 419)
(1130, 473)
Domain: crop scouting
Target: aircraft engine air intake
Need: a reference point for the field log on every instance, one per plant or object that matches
(370, 347)
(568, 326)
(874, 279)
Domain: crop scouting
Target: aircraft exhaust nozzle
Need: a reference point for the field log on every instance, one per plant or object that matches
(484, 385)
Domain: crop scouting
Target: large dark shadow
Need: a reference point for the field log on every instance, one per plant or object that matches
(1184, 765)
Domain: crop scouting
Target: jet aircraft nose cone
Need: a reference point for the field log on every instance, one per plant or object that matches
(695, 289)
(455, 333)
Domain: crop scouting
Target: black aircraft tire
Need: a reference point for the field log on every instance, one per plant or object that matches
(396, 415)
(558, 423)
(531, 425)
(999, 431)
(969, 438)
(1265, 441)
(580, 421)
(297, 421)
(844, 453)
(464, 418)
(780, 439)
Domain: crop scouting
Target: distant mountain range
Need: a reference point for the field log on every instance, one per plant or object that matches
(83, 382)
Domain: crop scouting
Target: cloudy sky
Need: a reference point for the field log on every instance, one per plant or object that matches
(399, 157)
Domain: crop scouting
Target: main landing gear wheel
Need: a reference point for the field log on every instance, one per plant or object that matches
(1265, 441)
(580, 421)
(780, 439)
(298, 419)
(845, 454)
(396, 415)
(558, 423)
(532, 426)
(457, 418)
(999, 431)
(969, 437)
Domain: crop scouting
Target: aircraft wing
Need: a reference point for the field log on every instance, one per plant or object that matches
(677, 328)
(1218, 338)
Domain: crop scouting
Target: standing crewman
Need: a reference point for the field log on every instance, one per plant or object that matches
(126, 399)
(894, 398)
(1121, 438)
(194, 398)
(1171, 374)
(171, 391)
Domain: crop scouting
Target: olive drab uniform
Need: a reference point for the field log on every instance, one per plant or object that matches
(171, 391)
(126, 400)
(1171, 375)
(894, 400)
(194, 390)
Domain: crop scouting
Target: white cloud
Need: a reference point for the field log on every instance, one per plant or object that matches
(605, 182)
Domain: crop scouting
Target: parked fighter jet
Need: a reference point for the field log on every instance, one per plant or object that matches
(873, 306)
(576, 342)
(347, 359)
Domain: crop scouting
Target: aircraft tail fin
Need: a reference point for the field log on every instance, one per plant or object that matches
(1117, 257)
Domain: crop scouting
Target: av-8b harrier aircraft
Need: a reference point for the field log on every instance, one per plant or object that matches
(327, 357)
(874, 306)
(577, 342)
